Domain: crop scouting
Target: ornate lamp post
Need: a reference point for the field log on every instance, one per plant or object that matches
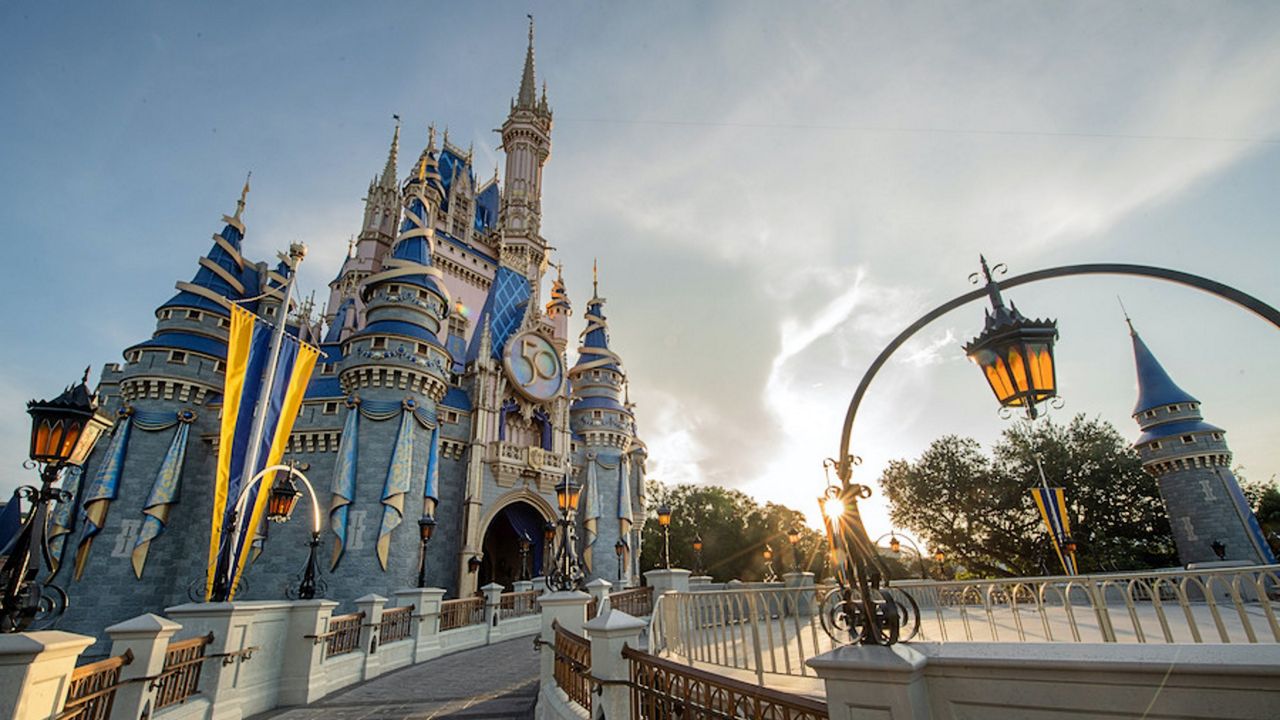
(566, 573)
(664, 520)
(63, 432)
(940, 557)
(548, 551)
(895, 547)
(619, 549)
(769, 574)
(524, 557)
(793, 537)
(697, 555)
(473, 564)
(426, 528)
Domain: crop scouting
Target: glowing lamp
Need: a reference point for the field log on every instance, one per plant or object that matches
(833, 507)
(895, 544)
(1015, 354)
(1069, 544)
(567, 493)
(524, 544)
(64, 430)
(619, 548)
(664, 515)
(939, 556)
(473, 564)
(282, 499)
(768, 553)
(697, 543)
(793, 535)
(426, 527)
(549, 532)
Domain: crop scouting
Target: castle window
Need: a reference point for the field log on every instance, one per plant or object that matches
(1155, 445)
(195, 315)
(330, 408)
(1174, 408)
(378, 343)
(422, 349)
(177, 357)
(133, 357)
(163, 314)
(1150, 413)
(451, 416)
(393, 290)
(224, 322)
(1217, 436)
(1188, 439)
(458, 326)
(328, 368)
(597, 414)
(220, 366)
(270, 312)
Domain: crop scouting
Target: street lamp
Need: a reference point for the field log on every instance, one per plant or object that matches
(895, 547)
(769, 574)
(473, 564)
(63, 432)
(664, 520)
(426, 528)
(565, 575)
(619, 548)
(1014, 353)
(697, 555)
(793, 537)
(549, 543)
(940, 557)
(524, 557)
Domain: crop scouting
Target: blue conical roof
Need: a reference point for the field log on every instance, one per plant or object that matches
(1155, 387)
(596, 338)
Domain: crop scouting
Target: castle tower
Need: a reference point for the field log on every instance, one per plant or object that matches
(558, 311)
(377, 232)
(1210, 518)
(526, 140)
(603, 425)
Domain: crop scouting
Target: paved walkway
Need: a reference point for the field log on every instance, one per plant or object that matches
(495, 681)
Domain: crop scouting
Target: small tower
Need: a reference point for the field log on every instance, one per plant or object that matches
(1210, 518)
(605, 428)
(526, 140)
(377, 233)
(559, 310)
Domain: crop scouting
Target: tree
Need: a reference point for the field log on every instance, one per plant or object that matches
(734, 531)
(979, 510)
(1264, 501)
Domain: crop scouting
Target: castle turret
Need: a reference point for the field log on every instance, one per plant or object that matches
(559, 310)
(1209, 515)
(526, 140)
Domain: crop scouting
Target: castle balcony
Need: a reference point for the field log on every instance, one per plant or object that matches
(512, 463)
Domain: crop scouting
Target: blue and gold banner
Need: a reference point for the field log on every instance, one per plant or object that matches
(396, 486)
(1052, 503)
(62, 520)
(248, 355)
(164, 493)
(102, 490)
(343, 489)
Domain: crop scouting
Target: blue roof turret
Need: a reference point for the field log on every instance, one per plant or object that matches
(1155, 387)
(597, 378)
(223, 273)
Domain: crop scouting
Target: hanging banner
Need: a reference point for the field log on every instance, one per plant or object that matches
(1052, 503)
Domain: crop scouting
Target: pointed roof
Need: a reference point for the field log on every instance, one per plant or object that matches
(388, 179)
(1155, 387)
(594, 352)
(527, 97)
(224, 272)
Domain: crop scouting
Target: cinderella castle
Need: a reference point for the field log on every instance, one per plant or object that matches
(439, 358)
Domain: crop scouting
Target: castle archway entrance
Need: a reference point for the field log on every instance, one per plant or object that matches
(503, 561)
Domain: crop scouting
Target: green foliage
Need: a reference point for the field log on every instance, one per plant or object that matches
(734, 530)
(978, 509)
(1264, 500)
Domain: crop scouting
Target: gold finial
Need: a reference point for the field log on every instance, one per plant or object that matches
(422, 168)
(560, 271)
(431, 137)
(244, 192)
(1125, 312)
(351, 246)
(595, 277)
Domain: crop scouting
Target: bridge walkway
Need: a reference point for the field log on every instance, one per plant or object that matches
(494, 681)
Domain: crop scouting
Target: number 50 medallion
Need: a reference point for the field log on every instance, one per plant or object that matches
(533, 366)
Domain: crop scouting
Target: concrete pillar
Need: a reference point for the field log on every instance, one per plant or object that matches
(426, 631)
(666, 580)
(699, 580)
(492, 598)
(522, 586)
(302, 677)
(599, 591)
(540, 584)
(35, 672)
(609, 632)
(233, 690)
(371, 606)
(866, 682)
(570, 610)
(146, 637)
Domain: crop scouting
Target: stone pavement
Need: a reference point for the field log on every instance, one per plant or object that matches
(495, 681)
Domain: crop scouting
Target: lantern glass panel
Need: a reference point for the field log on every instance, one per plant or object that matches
(697, 546)
(895, 545)
(281, 501)
(1040, 360)
(1018, 368)
(997, 374)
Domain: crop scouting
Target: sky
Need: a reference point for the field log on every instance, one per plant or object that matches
(773, 191)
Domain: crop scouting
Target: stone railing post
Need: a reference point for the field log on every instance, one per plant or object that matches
(664, 581)
(302, 677)
(492, 598)
(570, 610)
(802, 598)
(371, 606)
(147, 637)
(599, 591)
(699, 580)
(865, 681)
(522, 586)
(609, 632)
(232, 625)
(425, 631)
(35, 671)
(540, 584)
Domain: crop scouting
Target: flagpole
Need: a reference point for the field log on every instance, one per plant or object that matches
(222, 585)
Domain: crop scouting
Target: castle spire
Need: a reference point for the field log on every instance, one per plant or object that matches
(528, 85)
(389, 171)
(1155, 387)
(244, 193)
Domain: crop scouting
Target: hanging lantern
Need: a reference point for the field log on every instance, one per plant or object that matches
(664, 515)
(619, 547)
(768, 553)
(426, 527)
(939, 556)
(282, 499)
(473, 564)
(793, 535)
(64, 430)
(567, 493)
(895, 544)
(1014, 353)
(697, 543)
(549, 532)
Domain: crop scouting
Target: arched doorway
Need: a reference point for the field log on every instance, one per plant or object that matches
(503, 561)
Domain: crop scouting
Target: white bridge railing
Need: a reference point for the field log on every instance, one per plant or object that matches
(775, 630)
